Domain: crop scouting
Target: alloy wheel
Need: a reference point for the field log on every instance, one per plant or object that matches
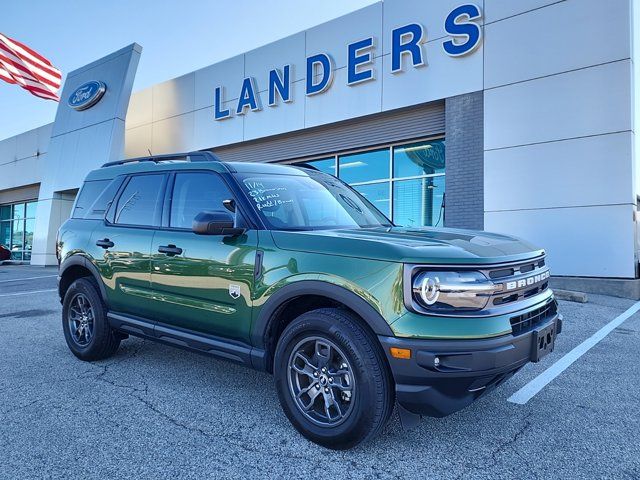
(321, 381)
(80, 319)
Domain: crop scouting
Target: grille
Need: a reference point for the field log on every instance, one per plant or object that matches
(513, 274)
(522, 268)
(529, 320)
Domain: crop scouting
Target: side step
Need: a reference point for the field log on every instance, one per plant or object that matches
(218, 347)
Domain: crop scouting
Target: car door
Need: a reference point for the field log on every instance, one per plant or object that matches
(124, 241)
(202, 283)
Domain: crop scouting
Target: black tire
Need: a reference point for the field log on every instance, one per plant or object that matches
(365, 411)
(102, 342)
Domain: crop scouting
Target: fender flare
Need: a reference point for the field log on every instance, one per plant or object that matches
(364, 309)
(77, 260)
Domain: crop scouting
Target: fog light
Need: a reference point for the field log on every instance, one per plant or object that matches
(436, 361)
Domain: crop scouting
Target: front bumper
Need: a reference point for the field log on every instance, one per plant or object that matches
(444, 376)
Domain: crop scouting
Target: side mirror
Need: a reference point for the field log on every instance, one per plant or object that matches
(216, 222)
(230, 205)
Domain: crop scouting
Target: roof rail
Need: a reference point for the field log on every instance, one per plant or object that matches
(307, 165)
(173, 157)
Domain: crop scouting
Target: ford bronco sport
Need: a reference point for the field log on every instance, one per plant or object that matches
(290, 271)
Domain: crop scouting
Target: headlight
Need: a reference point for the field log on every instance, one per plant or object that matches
(451, 291)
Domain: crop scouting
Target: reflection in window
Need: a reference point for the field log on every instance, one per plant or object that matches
(30, 225)
(88, 194)
(418, 203)
(418, 159)
(326, 165)
(18, 211)
(5, 234)
(377, 194)
(416, 172)
(17, 235)
(194, 193)
(139, 201)
(31, 209)
(5, 212)
(17, 239)
(364, 166)
(295, 202)
(17, 223)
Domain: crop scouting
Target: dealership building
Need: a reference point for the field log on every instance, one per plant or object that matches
(507, 116)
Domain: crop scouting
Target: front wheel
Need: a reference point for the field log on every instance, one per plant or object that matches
(333, 383)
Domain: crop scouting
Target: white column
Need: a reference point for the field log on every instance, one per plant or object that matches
(51, 213)
(80, 142)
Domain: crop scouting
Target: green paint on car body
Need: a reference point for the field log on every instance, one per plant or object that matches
(291, 271)
(191, 290)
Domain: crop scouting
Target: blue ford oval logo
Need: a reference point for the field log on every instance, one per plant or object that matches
(87, 95)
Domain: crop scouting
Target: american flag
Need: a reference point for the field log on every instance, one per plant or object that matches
(22, 66)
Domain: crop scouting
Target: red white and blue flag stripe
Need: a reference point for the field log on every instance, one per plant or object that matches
(23, 66)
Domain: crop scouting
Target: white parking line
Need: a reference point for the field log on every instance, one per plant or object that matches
(532, 388)
(28, 278)
(27, 293)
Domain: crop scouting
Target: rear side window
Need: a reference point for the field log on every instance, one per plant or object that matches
(87, 196)
(100, 206)
(140, 201)
(194, 193)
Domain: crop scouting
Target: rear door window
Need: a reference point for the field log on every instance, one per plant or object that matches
(140, 202)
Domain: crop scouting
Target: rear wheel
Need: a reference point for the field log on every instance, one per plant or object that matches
(84, 322)
(332, 381)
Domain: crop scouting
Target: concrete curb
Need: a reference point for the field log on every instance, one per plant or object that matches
(615, 287)
(570, 296)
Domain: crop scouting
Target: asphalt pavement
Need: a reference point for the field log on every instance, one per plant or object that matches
(152, 411)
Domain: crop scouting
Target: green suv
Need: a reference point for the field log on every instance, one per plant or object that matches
(290, 271)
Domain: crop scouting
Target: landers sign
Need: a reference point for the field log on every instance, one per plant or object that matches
(406, 46)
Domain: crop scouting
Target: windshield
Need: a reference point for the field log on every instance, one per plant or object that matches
(316, 202)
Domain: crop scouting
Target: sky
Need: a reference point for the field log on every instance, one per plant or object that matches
(177, 37)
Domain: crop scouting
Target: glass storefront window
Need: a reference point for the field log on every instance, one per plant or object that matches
(418, 159)
(17, 223)
(18, 211)
(5, 233)
(31, 209)
(418, 202)
(17, 239)
(17, 235)
(326, 165)
(364, 166)
(5, 212)
(30, 225)
(407, 178)
(377, 194)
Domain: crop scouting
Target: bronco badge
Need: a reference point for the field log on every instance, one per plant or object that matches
(234, 290)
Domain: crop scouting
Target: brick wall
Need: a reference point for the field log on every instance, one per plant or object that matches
(464, 185)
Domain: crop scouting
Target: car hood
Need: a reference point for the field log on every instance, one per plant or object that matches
(410, 245)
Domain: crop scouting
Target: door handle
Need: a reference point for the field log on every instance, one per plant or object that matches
(105, 243)
(170, 250)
